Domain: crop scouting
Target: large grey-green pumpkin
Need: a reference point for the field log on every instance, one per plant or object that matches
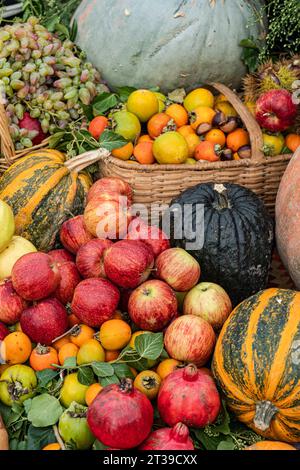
(167, 43)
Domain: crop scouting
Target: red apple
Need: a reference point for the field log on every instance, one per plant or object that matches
(90, 259)
(110, 184)
(177, 268)
(276, 111)
(152, 305)
(151, 235)
(107, 219)
(112, 196)
(61, 255)
(44, 321)
(95, 301)
(128, 263)
(190, 339)
(70, 278)
(35, 276)
(3, 331)
(210, 302)
(74, 234)
(11, 304)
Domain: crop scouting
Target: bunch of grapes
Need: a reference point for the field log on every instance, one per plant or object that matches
(44, 76)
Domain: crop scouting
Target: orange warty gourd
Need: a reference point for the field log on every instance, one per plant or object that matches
(270, 445)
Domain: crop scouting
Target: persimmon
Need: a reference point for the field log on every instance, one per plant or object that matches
(144, 138)
(178, 113)
(273, 144)
(15, 348)
(61, 342)
(114, 334)
(237, 139)
(148, 382)
(216, 136)
(72, 390)
(67, 350)
(198, 97)
(143, 103)
(92, 392)
(73, 320)
(143, 153)
(207, 151)
(111, 355)
(292, 141)
(90, 351)
(97, 126)
(186, 130)
(226, 109)
(160, 123)
(123, 153)
(166, 367)
(53, 446)
(170, 148)
(192, 140)
(134, 336)
(118, 315)
(202, 115)
(81, 335)
(43, 357)
(220, 99)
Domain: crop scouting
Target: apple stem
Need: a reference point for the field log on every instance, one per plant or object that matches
(69, 332)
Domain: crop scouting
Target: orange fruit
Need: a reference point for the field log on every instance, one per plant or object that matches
(237, 139)
(202, 115)
(186, 130)
(92, 392)
(73, 320)
(216, 136)
(111, 355)
(227, 109)
(81, 335)
(292, 141)
(114, 334)
(148, 382)
(144, 138)
(97, 126)
(91, 351)
(54, 446)
(61, 342)
(170, 148)
(166, 367)
(42, 357)
(15, 348)
(178, 113)
(143, 103)
(206, 151)
(118, 315)
(160, 123)
(143, 153)
(198, 97)
(67, 350)
(123, 153)
(192, 140)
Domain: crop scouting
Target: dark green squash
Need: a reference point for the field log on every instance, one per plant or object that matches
(237, 231)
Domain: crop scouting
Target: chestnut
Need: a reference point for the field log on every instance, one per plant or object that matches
(226, 155)
(244, 152)
(230, 126)
(219, 119)
(203, 128)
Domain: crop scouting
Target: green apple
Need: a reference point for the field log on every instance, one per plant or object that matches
(7, 224)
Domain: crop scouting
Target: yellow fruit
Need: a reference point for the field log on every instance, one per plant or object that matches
(115, 334)
(198, 97)
(226, 108)
(92, 392)
(251, 105)
(166, 367)
(66, 351)
(127, 125)
(191, 161)
(123, 153)
(170, 148)
(7, 224)
(72, 390)
(192, 140)
(220, 99)
(90, 351)
(148, 382)
(273, 144)
(9, 256)
(15, 348)
(143, 103)
(161, 101)
(54, 446)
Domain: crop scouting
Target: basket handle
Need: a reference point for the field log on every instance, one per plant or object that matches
(251, 124)
(6, 144)
(86, 159)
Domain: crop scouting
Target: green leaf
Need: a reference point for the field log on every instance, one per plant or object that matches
(27, 405)
(110, 140)
(37, 438)
(102, 369)
(5, 412)
(70, 363)
(123, 371)
(46, 376)
(55, 139)
(222, 425)
(149, 345)
(103, 103)
(45, 410)
(124, 92)
(228, 444)
(61, 28)
(249, 44)
(98, 445)
(113, 379)
(85, 376)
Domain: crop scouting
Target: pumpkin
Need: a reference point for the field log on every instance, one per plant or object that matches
(288, 219)
(232, 241)
(183, 44)
(270, 445)
(43, 193)
(256, 363)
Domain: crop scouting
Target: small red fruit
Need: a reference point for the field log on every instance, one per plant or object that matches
(97, 126)
(110, 184)
(177, 268)
(11, 304)
(70, 278)
(3, 331)
(276, 111)
(61, 255)
(90, 258)
(151, 235)
(32, 124)
(74, 234)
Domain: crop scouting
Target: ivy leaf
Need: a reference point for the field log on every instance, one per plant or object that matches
(110, 140)
(113, 379)
(37, 438)
(45, 377)
(102, 369)
(149, 345)
(103, 103)
(85, 376)
(45, 411)
(124, 92)
(123, 371)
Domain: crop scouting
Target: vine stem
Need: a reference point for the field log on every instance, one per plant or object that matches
(58, 438)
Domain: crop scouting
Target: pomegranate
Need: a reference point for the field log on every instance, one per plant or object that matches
(121, 416)
(35, 276)
(128, 263)
(11, 304)
(95, 301)
(276, 111)
(151, 235)
(190, 396)
(61, 255)
(32, 124)
(74, 234)
(70, 278)
(44, 321)
(90, 258)
(176, 438)
(3, 331)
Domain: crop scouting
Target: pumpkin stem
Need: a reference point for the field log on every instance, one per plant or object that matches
(86, 159)
(221, 196)
(265, 411)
